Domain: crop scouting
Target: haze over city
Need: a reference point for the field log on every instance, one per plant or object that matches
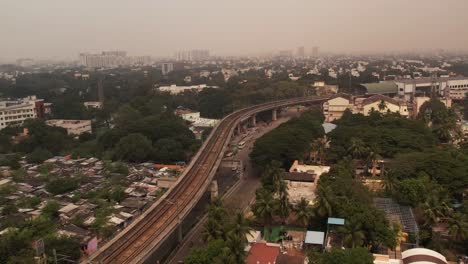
(61, 29)
(239, 132)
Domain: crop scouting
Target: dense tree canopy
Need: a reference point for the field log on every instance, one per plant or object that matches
(289, 141)
(386, 135)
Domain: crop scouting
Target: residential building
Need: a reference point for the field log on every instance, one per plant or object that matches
(315, 52)
(300, 52)
(110, 59)
(73, 127)
(198, 121)
(380, 103)
(335, 107)
(263, 253)
(420, 100)
(452, 87)
(302, 181)
(325, 89)
(174, 89)
(193, 55)
(14, 112)
(167, 68)
(93, 105)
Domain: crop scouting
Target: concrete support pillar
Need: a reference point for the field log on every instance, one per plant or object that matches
(214, 190)
(179, 233)
(254, 120)
(274, 114)
(239, 129)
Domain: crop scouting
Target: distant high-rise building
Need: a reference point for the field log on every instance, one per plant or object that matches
(167, 68)
(315, 52)
(198, 55)
(192, 55)
(300, 52)
(109, 59)
(25, 62)
(285, 53)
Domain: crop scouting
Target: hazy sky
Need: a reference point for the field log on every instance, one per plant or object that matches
(63, 28)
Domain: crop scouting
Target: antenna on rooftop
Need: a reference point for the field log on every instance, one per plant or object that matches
(434, 85)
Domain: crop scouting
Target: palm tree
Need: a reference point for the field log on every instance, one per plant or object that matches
(389, 182)
(282, 202)
(216, 210)
(373, 160)
(304, 212)
(319, 146)
(358, 148)
(382, 105)
(458, 227)
(434, 208)
(272, 175)
(240, 226)
(213, 230)
(324, 201)
(236, 247)
(353, 234)
(264, 206)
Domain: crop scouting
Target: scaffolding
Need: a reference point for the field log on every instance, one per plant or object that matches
(399, 213)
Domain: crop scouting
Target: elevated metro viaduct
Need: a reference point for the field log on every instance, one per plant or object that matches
(155, 233)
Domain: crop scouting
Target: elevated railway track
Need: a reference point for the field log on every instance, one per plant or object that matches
(137, 242)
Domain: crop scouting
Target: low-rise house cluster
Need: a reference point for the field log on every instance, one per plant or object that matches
(335, 107)
(79, 206)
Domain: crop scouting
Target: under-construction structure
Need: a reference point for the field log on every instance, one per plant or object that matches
(401, 214)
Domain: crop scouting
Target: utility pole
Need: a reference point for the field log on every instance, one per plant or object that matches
(179, 219)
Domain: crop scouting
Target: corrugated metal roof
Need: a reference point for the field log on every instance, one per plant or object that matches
(314, 237)
(335, 221)
(381, 87)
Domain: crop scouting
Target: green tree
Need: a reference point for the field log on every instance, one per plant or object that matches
(134, 147)
(458, 227)
(338, 256)
(126, 116)
(324, 201)
(38, 156)
(382, 105)
(264, 207)
(434, 208)
(304, 212)
(282, 201)
(50, 210)
(61, 185)
(357, 149)
(206, 254)
(353, 234)
(373, 160)
(240, 227)
(389, 182)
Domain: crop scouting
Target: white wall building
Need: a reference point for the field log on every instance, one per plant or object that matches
(73, 127)
(93, 105)
(15, 112)
(198, 121)
(174, 89)
(453, 88)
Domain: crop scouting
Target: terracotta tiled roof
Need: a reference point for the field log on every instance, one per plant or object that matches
(261, 253)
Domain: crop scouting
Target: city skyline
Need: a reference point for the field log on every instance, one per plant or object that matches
(59, 30)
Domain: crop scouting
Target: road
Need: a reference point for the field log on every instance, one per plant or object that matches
(148, 237)
(241, 194)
